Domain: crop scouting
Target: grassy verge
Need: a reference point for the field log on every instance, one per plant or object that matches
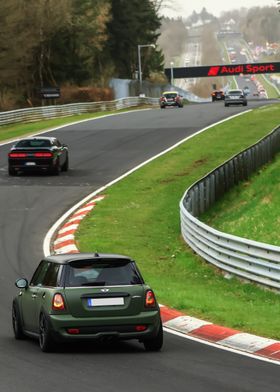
(12, 131)
(271, 91)
(140, 217)
(251, 209)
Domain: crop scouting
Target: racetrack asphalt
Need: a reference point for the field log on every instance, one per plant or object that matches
(100, 151)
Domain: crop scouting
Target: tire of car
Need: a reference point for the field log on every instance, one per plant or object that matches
(154, 344)
(17, 324)
(45, 339)
(65, 165)
(227, 104)
(11, 171)
(245, 104)
(56, 169)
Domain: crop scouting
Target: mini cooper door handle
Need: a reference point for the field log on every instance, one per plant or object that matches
(34, 295)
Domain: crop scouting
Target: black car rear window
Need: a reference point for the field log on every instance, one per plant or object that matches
(102, 273)
(33, 143)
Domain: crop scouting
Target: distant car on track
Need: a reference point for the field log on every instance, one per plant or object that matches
(86, 297)
(171, 98)
(235, 97)
(38, 153)
(217, 95)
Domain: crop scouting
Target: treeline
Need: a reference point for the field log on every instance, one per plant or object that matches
(73, 42)
(173, 38)
(258, 24)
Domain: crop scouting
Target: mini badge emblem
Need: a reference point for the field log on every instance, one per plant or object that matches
(104, 290)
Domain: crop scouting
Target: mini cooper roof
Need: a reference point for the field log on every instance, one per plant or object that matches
(69, 257)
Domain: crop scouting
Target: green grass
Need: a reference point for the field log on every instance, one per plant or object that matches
(140, 217)
(270, 90)
(251, 209)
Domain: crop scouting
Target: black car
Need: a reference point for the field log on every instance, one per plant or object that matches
(217, 95)
(38, 153)
(87, 297)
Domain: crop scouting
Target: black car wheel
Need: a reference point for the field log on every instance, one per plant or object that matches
(45, 339)
(17, 325)
(57, 168)
(65, 165)
(11, 171)
(154, 344)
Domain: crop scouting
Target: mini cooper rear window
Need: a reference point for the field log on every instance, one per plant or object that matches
(102, 273)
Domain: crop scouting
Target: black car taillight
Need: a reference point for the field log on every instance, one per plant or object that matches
(17, 155)
(43, 154)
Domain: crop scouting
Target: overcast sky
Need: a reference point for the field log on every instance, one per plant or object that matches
(185, 7)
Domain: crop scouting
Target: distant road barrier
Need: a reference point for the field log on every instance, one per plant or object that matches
(252, 260)
(47, 112)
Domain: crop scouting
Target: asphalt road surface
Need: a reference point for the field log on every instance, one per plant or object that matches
(100, 151)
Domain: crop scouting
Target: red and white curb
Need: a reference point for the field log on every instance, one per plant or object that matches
(65, 237)
(223, 336)
(172, 319)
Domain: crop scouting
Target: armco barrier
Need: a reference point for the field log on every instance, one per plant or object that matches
(47, 112)
(252, 260)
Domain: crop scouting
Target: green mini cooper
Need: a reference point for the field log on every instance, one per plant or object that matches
(85, 296)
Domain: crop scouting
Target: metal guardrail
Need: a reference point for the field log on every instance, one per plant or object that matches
(251, 260)
(47, 112)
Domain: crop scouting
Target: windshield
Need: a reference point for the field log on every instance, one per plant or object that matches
(102, 273)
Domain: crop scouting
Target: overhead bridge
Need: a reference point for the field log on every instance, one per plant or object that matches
(222, 70)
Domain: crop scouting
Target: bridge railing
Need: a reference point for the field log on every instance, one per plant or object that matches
(252, 260)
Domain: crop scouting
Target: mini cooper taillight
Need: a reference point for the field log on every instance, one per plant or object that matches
(58, 302)
(150, 300)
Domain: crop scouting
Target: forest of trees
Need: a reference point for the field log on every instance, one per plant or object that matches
(79, 44)
(74, 42)
(258, 24)
(173, 38)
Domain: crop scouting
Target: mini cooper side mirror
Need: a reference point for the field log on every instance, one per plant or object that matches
(21, 283)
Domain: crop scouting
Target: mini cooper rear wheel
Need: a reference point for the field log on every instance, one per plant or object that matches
(17, 325)
(45, 339)
(154, 344)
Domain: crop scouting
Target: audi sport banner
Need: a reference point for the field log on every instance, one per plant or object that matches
(222, 70)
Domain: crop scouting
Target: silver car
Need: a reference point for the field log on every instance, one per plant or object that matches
(235, 97)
